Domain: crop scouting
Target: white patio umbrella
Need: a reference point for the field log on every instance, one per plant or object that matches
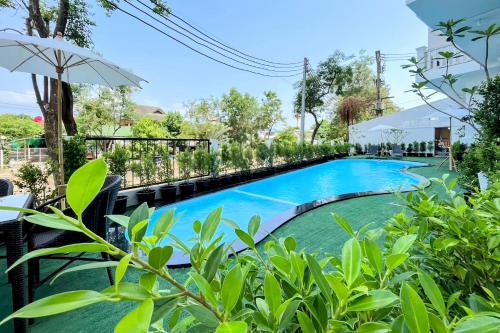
(65, 62)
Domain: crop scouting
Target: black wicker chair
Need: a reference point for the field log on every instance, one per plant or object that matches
(6, 187)
(93, 217)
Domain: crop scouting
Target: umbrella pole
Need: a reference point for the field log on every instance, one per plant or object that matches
(60, 70)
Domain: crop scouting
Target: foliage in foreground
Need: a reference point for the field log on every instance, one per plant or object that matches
(369, 288)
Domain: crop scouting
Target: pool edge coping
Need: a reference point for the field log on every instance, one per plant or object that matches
(182, 260)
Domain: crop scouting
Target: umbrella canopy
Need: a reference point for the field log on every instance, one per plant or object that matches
(21, 53)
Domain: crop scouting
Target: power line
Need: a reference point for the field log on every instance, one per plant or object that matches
(219, 42)
(210, 48)
(192, 48)
(223, 48)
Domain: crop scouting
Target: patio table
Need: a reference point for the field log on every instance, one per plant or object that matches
(10, 224)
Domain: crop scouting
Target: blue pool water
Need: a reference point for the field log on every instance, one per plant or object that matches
(271, 196)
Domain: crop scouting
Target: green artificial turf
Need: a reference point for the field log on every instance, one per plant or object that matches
(315, 231)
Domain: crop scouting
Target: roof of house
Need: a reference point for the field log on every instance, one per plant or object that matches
(153, 112)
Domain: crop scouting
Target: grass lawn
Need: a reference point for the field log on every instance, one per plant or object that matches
(315, 230)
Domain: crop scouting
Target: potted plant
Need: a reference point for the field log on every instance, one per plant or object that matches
(168, 192)
(416, 148)
(247, 163)
(185, 161)
(423, 148)
(201, 167)
(225, 161)
(146, 170)
(118, 165)
(458, 150)
(403, 149)
(213, 169)
(236, 161)
(430, 148)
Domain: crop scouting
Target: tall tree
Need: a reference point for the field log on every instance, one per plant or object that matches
(270, 112)
(172, 123)
(105, 113)
(204, 118)
(329, 80)
(238, 112)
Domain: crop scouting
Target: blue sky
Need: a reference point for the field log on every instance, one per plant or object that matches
(279, 30)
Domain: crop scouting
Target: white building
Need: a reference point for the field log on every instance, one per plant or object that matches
(424, 123)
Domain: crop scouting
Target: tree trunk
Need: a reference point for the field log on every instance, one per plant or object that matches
(317, 125)
(67, 110)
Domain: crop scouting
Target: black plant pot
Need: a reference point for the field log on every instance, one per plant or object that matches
(202, 185)
(120, 205)
(236, 178)
(168, 193)
(147, 196)
(225, 180)
(215, 183)
(186, 189)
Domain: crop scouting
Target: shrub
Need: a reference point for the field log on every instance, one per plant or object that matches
(185, 160)
(166, 167)
(118, 162)
(430, 146)
(409, 149)
(358, 149)
(403, 147)
(457, 149)
(33, 179)
(368, 288)
(75, 155)
(423, 147)
(225, 157)
(201, 161)
(146, 169)
(416, 147)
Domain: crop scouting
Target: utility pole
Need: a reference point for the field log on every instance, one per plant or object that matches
(303, 109)
(378, 104)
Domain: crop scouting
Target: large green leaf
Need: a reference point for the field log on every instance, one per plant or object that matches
(84, 185)
(137, 320)
(318, 276)
(210, 225)
(128, 291)
(344, 224)
(437, 324)
(59, 303)
(374, 255)
(394, 260)
(373, 300)
(204, 287)
(213, 262)
(403, 244)
(139, 214)
(231, 288)
(73, 248)
(164, 223)
(374, 327)
(121, 269)
(306, 324)
(203, 315)
(432, 291)
(254, 225)
(351, 260)
(232, 327)
(53, 221)
(478, 324)
(245, 238)
(272, 292)
(414, 311)
(159, 256)
(120, 219)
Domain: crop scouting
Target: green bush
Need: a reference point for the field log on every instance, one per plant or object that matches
(368, 288)
(423, 147)
(75, 155)
(201, 161)
(185, 161)
(225, 157)
(146, 169)
(118, 162)
(166, 167)
(409, 149)
(33, 179)
(416, 146)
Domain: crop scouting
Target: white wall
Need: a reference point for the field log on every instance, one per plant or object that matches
(417, 124)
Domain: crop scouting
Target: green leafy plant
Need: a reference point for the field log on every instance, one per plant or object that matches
(33, 179)
(117, 161)
(166, 167)
(409, 149)
(225, 157)
(201, 161)
(430, 146)
(423, 147)
(236, 153)
(279, 288)
(146, 169)
(75, 155)
(185, 160)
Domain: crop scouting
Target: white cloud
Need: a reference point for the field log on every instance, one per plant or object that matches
(18, 102)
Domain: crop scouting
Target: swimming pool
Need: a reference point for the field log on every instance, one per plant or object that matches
(273, 196)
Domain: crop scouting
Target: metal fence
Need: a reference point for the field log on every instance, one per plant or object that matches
(140, 148)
